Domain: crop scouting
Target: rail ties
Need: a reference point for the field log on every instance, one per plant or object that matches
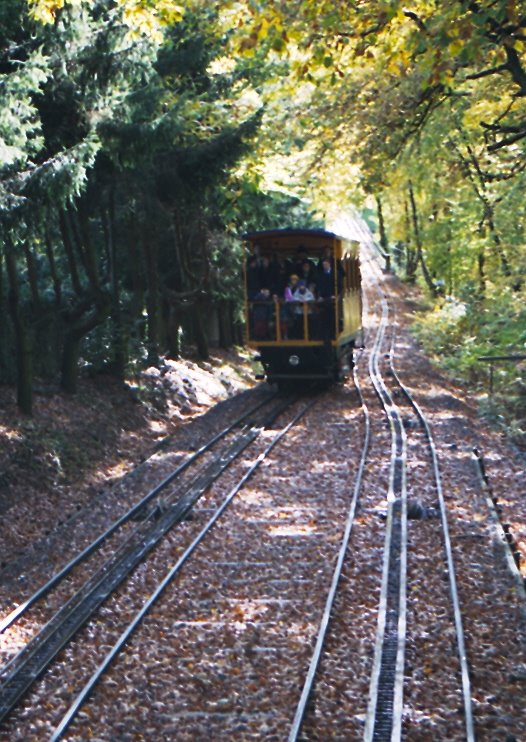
(32, 660)
(175, 569)
(308, 686)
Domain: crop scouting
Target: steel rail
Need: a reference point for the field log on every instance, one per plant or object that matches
(125, 518)
(465, 680)
(461, 647)
(20, 673)
(168, 579)
(324, 623)
(385, 706)
(499, 532)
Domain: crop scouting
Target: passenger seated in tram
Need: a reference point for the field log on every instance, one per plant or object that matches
(301, 295)
(263, 313)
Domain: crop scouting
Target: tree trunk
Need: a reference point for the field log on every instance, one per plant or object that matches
(86, 245)
(24, 358)
(152, 300)
(23, 337)
(226, 329)
(481, 269)
(419, 248)
(72, 338)
(200, 337)
(173, 324)
(70, 362)
(57, 285)
(495, 236)
(476, 175)
(119, 344)
(411, 261)
(136, 270)
(3, 324)
(70, 254)
(384, 242)
(32, 276)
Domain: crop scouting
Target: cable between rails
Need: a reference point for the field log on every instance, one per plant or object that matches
(465, 680)
(398, 464)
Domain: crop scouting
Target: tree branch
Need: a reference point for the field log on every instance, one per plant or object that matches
(419, 22)
(486, 73)
(506, 142)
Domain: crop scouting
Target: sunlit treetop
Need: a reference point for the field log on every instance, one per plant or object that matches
(143, 17)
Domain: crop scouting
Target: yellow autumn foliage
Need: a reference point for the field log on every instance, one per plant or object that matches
(143, 17)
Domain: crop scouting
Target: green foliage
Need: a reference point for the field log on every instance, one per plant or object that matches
(458, 333)
(120, 124)
(248, 208)
(138, 141)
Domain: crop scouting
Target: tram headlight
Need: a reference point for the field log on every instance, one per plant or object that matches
(294, 360)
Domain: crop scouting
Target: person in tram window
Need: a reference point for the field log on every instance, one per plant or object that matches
(291, 287)
(300, 296)
(262, 314)
(314, 314)
(327, 287)
(256, 253)
(326, 253)
(336, 264)
(308, 272)
(266, 273)
(253, 283)
(279, 271)
(287, 310)
(302, 256)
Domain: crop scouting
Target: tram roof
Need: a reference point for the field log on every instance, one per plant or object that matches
(291, 232)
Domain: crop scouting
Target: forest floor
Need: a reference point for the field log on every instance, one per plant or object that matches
(75, 447)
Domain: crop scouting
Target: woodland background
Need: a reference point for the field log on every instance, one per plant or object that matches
(139, 139)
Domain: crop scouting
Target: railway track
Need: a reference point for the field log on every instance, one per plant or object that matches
(384, 719)
(384, 716)
(258, 537)
(28, 664)
(139, 511)
(385, 712)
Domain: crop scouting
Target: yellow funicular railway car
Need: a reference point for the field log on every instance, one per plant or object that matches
(302, 303)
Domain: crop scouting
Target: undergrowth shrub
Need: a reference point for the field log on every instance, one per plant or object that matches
(456, 334)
